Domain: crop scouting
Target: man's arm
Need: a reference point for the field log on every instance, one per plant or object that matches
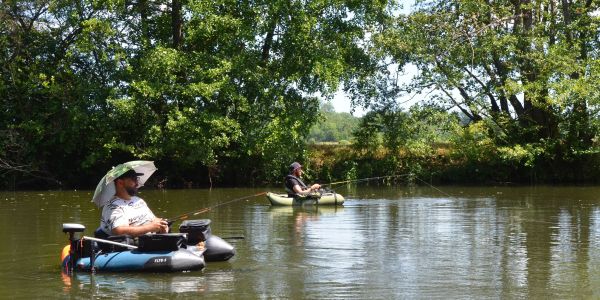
(157, 225)
(307, 191)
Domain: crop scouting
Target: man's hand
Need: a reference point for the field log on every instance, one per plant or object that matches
(160, 225)
(315, 186)
(157, 225)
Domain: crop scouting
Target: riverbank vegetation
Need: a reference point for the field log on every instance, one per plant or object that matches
(433, 145)
(227, 92)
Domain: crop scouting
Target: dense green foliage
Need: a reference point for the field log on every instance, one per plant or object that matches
(523, 73)
(228, 91)
(206, 89)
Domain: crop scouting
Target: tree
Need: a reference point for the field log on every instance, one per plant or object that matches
(208, 87)
(524, 65)
(53, 85)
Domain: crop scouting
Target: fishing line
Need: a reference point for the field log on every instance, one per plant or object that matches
(367, 179)
(433, 187)
(391, 176)
(206, 209)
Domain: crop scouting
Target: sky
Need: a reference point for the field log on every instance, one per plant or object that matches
(340, 101)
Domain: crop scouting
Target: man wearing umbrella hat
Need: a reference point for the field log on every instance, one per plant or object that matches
(128, 214)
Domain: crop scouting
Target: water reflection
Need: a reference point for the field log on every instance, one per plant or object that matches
(384, 243)
(138, 286)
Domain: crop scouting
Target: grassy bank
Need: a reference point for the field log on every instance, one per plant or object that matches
(449, 164)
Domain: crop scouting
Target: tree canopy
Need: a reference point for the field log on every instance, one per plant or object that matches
(523, 72)
(528, 67)
(208, 89)
(221, 85)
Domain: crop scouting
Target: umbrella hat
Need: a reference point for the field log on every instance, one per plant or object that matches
(106, 187)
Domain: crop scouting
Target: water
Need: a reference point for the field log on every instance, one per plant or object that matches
(384, 243)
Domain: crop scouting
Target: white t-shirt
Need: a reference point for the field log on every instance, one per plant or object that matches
(119, 212)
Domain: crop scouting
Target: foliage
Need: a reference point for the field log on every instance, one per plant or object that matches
(505, 59)
(368, 137)
(420, 127)
(522, 74)
(208, 88)
(333, 126)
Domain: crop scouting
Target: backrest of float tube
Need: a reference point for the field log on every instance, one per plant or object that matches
(99, 233)
(197, 230)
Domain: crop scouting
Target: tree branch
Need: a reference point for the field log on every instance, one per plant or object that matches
(495, 107)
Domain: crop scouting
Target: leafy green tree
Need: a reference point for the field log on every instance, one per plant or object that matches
(522, 72)
(368, 136)
(210, 87)
(420, 130)
(528, 66)
(53, 85)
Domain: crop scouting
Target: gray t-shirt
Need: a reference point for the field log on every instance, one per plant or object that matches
(119, 212)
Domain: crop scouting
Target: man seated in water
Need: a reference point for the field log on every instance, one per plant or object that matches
(128, 214)
(294, 185)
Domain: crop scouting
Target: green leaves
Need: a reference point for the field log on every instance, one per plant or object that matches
(192, 137)
(222, 84)
(521, 67)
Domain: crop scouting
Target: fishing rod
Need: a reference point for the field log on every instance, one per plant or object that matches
(206, 209)
(366, 179)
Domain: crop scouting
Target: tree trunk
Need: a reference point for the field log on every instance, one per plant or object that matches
(143, 11)
(503, 77)
(266, 49)
(579, 127)
(537, 111)
(177, 23)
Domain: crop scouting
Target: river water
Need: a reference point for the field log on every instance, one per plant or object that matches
(384, 243)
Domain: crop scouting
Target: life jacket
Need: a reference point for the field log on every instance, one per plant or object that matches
(290, 189)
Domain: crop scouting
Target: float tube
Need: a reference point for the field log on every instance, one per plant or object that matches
(170, 252)
(327, 198)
